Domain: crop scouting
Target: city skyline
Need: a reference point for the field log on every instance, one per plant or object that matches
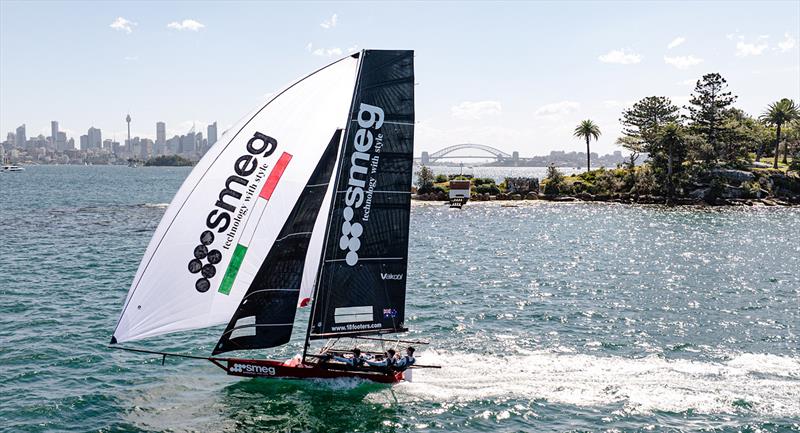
(524, 83)
(91, 147)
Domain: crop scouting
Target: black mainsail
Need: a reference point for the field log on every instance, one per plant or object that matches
(361, 285)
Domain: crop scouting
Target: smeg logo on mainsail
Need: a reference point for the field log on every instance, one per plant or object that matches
(220, 217)
(355, 195)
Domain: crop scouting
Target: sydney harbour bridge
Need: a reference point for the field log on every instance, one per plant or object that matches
(488, 153)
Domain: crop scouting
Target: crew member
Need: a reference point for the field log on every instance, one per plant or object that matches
(388, 360)
(406, 361)
(356, 361)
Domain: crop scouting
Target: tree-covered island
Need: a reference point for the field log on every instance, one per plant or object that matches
(713, 153)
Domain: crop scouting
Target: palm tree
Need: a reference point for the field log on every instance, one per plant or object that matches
(777, 114)
(587, 130)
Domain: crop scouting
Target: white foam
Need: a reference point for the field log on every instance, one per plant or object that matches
(769, 384)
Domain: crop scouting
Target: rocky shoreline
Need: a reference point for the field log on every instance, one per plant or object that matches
(723, 187)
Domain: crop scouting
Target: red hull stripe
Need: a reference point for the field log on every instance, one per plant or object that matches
(275, 176)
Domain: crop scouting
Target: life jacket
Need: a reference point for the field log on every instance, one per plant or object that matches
(408, 362)
(358, 361)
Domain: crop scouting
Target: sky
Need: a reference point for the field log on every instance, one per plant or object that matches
(513, 75)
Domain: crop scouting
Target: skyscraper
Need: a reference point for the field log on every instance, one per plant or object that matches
(128, 144)
(20, 139)
(212, 134)
(61, 141)
(161, 138)
(54, 134)
(95, 138)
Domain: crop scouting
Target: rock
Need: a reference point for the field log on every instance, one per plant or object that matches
(761, 165)
(585, 196)
(738, 176)
(734, 192)
(531, 196)
(700, 194)
(563, 198)
(768, 202)
(516, 196)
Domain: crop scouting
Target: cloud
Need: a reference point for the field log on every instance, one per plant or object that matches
(622, 57)
(787, 43)
(557, 109)
(682, 62)
(190, 25)
(744, 49)
(123, 25)
(675, 42)
(327, 52)
(131, 58)
(330, 23)
(613, 103)
(469, 110)
(309, 47)
(688, 82)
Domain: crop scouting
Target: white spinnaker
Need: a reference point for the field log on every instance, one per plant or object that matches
(302, 118)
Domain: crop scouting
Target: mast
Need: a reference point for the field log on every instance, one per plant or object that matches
(334, 179)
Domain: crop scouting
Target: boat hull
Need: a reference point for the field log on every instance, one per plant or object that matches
(289, 370)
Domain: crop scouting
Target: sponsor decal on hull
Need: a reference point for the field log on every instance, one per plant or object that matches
(251, 369)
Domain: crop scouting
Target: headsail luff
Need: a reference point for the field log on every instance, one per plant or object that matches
(362, 282)
(266, 314)
(209, 245)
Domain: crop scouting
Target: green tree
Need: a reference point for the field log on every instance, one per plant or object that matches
(777, 114)
(555, 181)
(708, 111)
(672, 141)
(587, 130)
(424, 179)
(640, 123)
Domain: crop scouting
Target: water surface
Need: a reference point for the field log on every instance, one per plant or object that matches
(545, 316)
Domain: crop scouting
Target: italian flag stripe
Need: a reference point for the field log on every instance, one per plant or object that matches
(275, 176)
(233, 269)
(248, 231)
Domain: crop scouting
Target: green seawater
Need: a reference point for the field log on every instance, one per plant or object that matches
(545, 317)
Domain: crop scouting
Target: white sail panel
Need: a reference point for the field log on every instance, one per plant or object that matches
(196, 269)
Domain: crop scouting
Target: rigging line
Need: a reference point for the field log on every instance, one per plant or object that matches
(158, 245)
(336, 178)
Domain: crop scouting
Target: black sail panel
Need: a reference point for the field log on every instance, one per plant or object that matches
(266, 313)
(362, 283)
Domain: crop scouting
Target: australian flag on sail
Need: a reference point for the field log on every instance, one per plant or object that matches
(389, 313)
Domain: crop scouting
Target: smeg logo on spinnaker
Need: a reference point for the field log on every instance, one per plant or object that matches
(220, 217)
(355, 195)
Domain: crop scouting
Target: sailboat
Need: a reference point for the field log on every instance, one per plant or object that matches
(304, 203)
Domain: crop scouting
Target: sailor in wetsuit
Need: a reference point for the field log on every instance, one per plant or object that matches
(356, 361)
(405, 361)
(388, 360)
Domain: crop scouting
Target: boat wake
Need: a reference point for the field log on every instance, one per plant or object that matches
(765, 384)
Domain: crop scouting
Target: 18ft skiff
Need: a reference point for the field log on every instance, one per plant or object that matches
(305, 202)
